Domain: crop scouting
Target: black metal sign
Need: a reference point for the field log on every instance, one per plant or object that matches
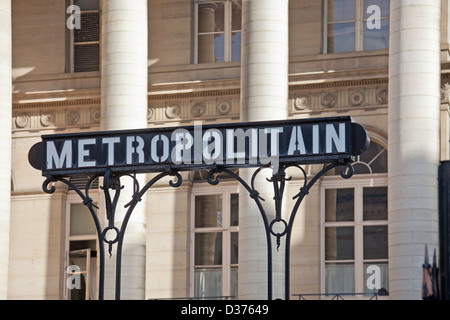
(201, 147)
(216, 148)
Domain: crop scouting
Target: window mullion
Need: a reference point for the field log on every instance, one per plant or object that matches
(192, 248)
(72, 46)
(226, 243)
(227, 35)
(226, 263)
(325, 26)
(359, 240)
(322, 237)
(359, 25)
(196, 32)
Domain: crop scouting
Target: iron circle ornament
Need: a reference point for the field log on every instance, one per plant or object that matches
(108, 230)
(278, 235)
(113, 241)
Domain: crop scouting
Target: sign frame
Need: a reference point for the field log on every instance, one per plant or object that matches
(90, 152)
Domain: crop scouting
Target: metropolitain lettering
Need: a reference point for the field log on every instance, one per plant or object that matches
(200, 146)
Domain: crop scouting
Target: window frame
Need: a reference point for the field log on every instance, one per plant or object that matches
(359, 28)
(358, 182)
(72, 42)
(73, 198)
(228, 32)
(226, 190)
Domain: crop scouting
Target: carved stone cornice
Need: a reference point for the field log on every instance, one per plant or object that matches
(55, 104)
(343, 84)
(43, 112)
(191, 95)
(343, 95)
(174, 103)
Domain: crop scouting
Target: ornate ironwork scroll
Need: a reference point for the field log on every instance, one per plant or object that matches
(279, 183)
(111, 182)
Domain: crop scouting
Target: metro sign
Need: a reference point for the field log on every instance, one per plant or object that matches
(198, 147)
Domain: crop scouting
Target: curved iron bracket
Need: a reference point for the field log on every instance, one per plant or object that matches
(112, 182)
(278, 180)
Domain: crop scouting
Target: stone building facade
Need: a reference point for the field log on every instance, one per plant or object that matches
(90, 65)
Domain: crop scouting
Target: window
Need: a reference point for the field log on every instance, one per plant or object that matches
(215, 244)
(356, 25)
(355, 228)
(85, 39)
(218, 31)
(81, 253)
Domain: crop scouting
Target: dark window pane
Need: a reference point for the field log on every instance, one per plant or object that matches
(234, 282)
(86, 57)
(373, 161)
(208, 248)
(376, 38)
(236, 17)
(376, 242)
(211, 48)
(87, 5)
(341, 37)
(361, 168)
(376, 158)
(234, 208)
(339, 205)
(208, 211)
(375, 203)
(339, 243)
(234, 248)
(90, 28)
(208, 283)
(339, 278)
(211, 18)
(236, 46)
(81, 221)
(341, 10)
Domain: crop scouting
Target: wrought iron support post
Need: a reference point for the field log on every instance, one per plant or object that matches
(278, 180)
(304, 191)
(111, 181)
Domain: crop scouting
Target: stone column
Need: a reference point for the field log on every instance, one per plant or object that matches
(414, 101)
(5, 140)
(124, 89)
(264, 96)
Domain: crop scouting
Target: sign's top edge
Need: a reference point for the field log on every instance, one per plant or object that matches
(205, 126)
